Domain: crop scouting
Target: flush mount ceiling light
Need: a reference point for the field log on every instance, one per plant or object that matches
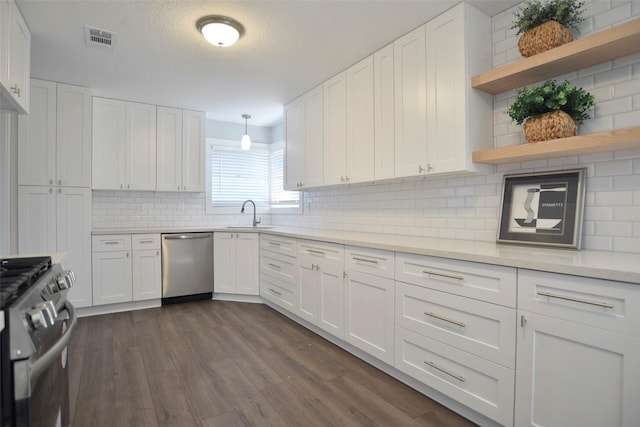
(245, 142)
(220, 30)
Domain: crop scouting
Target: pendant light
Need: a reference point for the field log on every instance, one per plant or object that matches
(220, 30)
(245, 142)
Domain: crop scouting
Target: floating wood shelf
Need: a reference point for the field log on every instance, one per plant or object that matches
(622, 139)
(606, 45)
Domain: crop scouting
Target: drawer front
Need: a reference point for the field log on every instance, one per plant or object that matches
(483, 386)
(281, 266)
(614, 306)
(373, 261)
(327, 253)
(485, 282)
(484, 329)
(280, 293)
(279, 244)
(145, 241)
(111, 242)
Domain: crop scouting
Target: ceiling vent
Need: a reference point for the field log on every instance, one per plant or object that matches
(99, 38)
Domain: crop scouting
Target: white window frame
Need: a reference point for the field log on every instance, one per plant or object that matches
(226, 210)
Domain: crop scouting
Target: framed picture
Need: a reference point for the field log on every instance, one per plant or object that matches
(543, 208)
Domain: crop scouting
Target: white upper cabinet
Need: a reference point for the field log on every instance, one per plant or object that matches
(124, 145)
(459, 119)
(193, 150)
(15, 59)
(335, 129)
(304, 141)
(360, 148)
(384, 123)
(180, 142)
(410, 104)
(294, 147)
(55, 138)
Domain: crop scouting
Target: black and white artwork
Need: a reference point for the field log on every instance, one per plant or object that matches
(543, 209)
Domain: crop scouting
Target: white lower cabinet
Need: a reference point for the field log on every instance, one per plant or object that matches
(126, 268)
(236, 263)
(278, 271)
(478, 383)
(58, 219)
(578, 352)
(369, 301)
(321, 288)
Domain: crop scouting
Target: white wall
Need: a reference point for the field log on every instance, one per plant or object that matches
(467, 207)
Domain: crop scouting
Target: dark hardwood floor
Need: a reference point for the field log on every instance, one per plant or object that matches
(214, 363)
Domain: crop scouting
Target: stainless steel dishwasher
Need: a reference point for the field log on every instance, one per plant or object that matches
(187, 267)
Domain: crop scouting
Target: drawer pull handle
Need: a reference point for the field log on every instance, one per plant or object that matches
(146, 241)
(451, 374)
(274, 243)
(582, 301)
(273, 291)
(372, 261)
(112, 242)
(315, 252)
(276, 266)
(447, 276)
(454, 322)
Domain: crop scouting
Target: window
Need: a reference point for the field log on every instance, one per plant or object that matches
(234, 176)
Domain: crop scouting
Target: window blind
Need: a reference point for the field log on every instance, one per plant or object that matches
(238, 175)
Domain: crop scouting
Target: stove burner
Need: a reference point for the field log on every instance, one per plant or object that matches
(18, 274)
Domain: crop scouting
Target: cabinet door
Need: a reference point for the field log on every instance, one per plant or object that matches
(19, 59)
(193, 140)
(331, 299)
(335, 130)
(109, 153)
(224, 263)
(314, 138)
(74, 218)
(36, 219)
(360, 148)
(169, 149)
(140, 166)
(37, 137)
(410, 104)
(247, 264)
(111, 277)
(146, 270)
(446, 87)
(307, 291)
(4, 43)
(369, 314)
(73, 136)
(572, 374)
(383, 91)
(294, 144)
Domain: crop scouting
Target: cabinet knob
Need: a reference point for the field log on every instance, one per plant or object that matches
(59, 182)
(342, 179)
(16, 90)
(420, 169)
(50, 181)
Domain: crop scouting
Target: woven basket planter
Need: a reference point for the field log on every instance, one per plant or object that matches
(544, 37)
(552, 125)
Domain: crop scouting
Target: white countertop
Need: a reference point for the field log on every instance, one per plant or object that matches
(624, 267)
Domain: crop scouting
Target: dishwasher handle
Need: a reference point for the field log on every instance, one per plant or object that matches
(187, 236)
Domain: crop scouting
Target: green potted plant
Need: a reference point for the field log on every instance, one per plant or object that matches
(551, 111)
(545, 25)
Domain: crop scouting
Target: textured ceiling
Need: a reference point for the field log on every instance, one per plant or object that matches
(160, 58)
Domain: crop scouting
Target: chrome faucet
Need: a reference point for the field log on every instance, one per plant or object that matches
(255, 221)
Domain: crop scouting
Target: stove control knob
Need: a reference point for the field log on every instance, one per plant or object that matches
(66, 280)
(43, 315)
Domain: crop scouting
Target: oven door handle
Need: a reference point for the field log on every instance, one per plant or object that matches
(41, 363)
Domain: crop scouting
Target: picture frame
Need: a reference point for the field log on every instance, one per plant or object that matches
(543, 208)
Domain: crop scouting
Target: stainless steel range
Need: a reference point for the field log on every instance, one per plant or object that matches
(39, 322)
